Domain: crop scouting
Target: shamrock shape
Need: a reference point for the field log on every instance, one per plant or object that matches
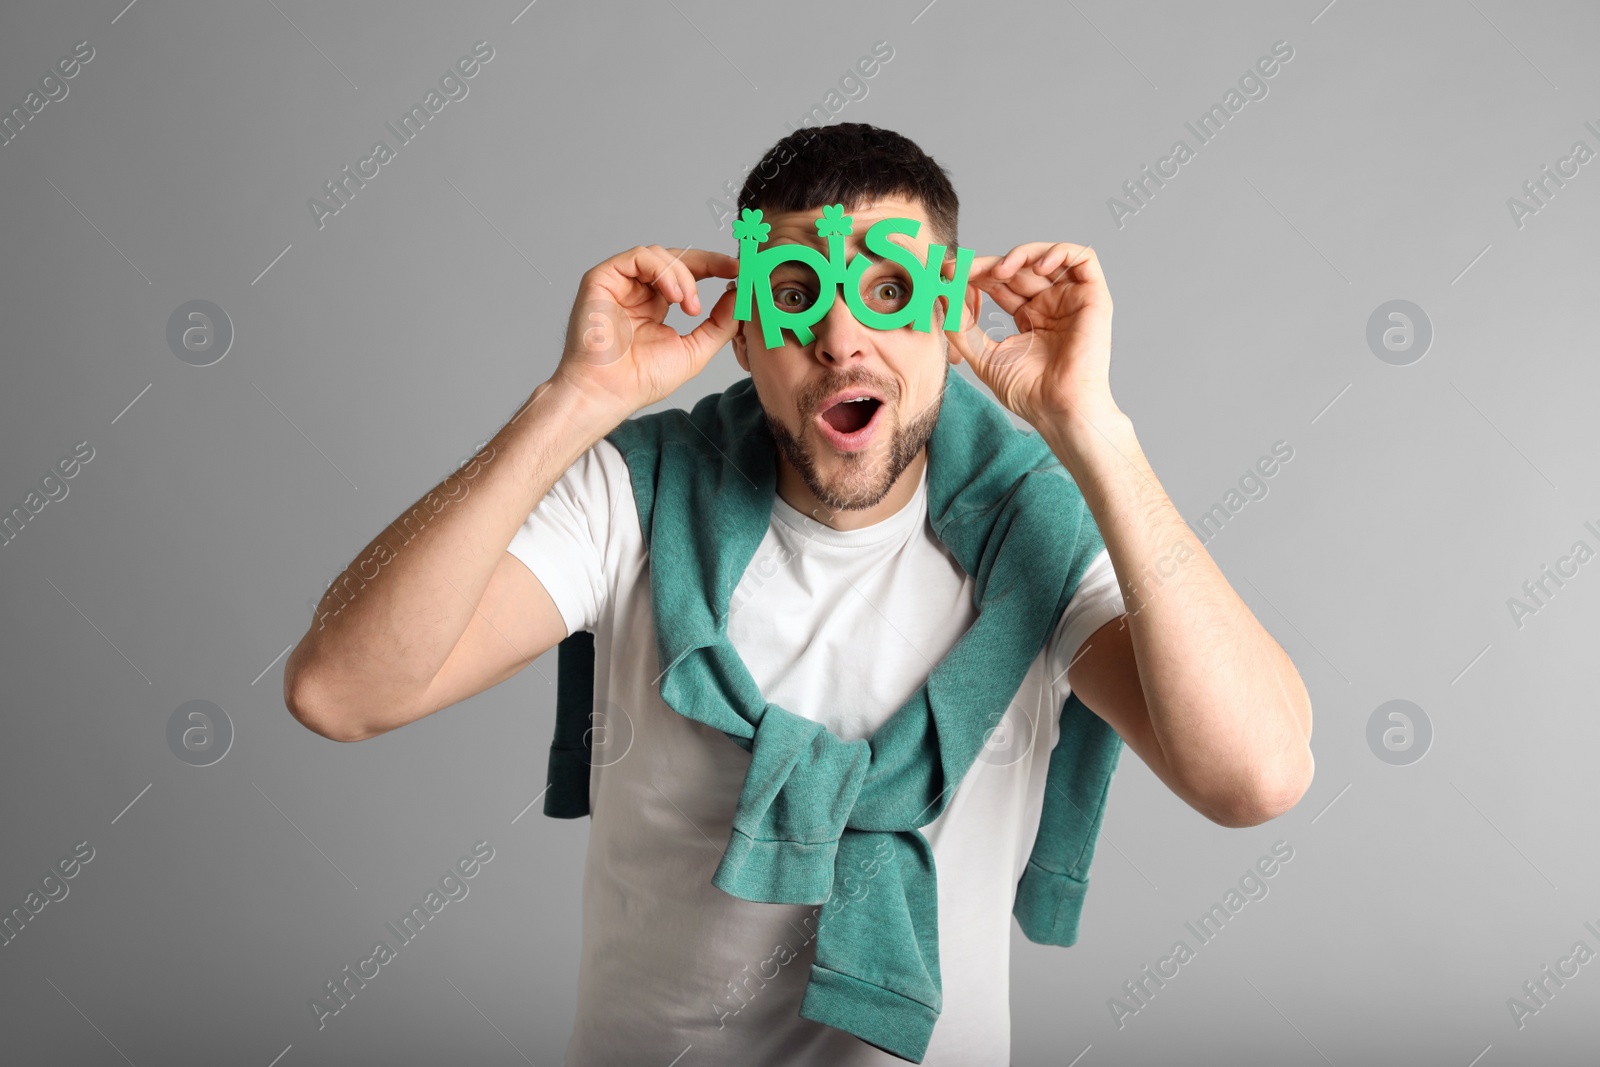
(751, 226)
(834, 222)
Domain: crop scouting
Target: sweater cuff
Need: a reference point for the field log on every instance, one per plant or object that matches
(776, 872)
(881, 1017)
(567, 793)
(1048, 905)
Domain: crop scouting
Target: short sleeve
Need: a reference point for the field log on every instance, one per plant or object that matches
(1096, 601)
(572, 541)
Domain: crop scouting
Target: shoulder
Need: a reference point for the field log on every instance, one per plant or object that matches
(711, 416)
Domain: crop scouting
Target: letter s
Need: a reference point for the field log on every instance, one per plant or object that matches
(1278, 50)
(1286, 453)
(1283, 850)
(77, 850)
(77, 450)
(483, 50)
(78, 48)
(478, 851)
(878, 50)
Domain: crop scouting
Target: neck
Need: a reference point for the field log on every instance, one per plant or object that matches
(792, 489)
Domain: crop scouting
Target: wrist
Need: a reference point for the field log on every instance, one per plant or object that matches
(1086, 426)
(1085, 436)
(590, 410)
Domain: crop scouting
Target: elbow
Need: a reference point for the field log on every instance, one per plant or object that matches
(301, 695)
(1264, 796)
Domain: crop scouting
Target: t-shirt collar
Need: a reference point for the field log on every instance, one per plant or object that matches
(898, 524)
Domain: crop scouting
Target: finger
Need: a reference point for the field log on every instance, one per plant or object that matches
(1051, 260)
(982, 272)
(704, 263)
(1045, 257)
(1044, 270)
(1063, 259)
(662, 276)
(1003, 294)
(1087, 266)
(650, 269)
(678, 281)
(683, 280)
(1024, 284)
(981, 267)
(707, 339)
(1014, 259)
(972, 344)
(693, 264)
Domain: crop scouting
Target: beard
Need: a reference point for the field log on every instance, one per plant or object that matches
(863, 479)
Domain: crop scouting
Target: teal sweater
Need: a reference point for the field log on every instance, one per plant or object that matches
(818, 816)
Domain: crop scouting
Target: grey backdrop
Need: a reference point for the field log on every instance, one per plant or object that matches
(371, 354)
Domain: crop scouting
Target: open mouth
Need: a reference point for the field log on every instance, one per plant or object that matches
(849, 416)
(849, 422)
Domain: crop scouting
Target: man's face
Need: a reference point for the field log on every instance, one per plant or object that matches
(848, 451)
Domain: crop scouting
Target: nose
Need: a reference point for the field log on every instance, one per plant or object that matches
(840, 336)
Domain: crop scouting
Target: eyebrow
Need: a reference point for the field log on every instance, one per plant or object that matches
(791, 267)
(856, 243)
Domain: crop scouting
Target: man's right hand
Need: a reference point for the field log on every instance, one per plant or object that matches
(436, 608)
(619, 354)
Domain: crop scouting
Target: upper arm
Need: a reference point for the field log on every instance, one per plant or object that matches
(515, 623)
(1105, 675)
(554, 578)
(1093, 647)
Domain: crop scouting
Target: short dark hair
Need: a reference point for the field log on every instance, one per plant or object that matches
(851, 163)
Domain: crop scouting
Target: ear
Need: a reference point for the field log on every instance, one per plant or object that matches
(972, 300)
(971, 305)
(740, 348)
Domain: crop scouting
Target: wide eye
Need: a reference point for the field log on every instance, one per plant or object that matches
(889, 292)
(790, 297)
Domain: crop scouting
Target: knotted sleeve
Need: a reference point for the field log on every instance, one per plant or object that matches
(797, 796)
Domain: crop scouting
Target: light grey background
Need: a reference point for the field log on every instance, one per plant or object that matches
(377, 351)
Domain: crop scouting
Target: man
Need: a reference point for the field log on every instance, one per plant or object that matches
(848, 603)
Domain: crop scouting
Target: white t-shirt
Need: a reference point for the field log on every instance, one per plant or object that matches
(841, 627)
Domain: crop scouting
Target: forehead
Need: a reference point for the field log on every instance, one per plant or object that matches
(801, 226)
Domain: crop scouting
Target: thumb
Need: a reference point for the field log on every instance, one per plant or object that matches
(706, 339)
(972, 345)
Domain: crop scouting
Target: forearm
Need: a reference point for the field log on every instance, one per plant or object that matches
(1227, 707)
(389, 621)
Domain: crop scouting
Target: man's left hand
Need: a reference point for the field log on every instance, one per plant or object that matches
(1058, 365)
